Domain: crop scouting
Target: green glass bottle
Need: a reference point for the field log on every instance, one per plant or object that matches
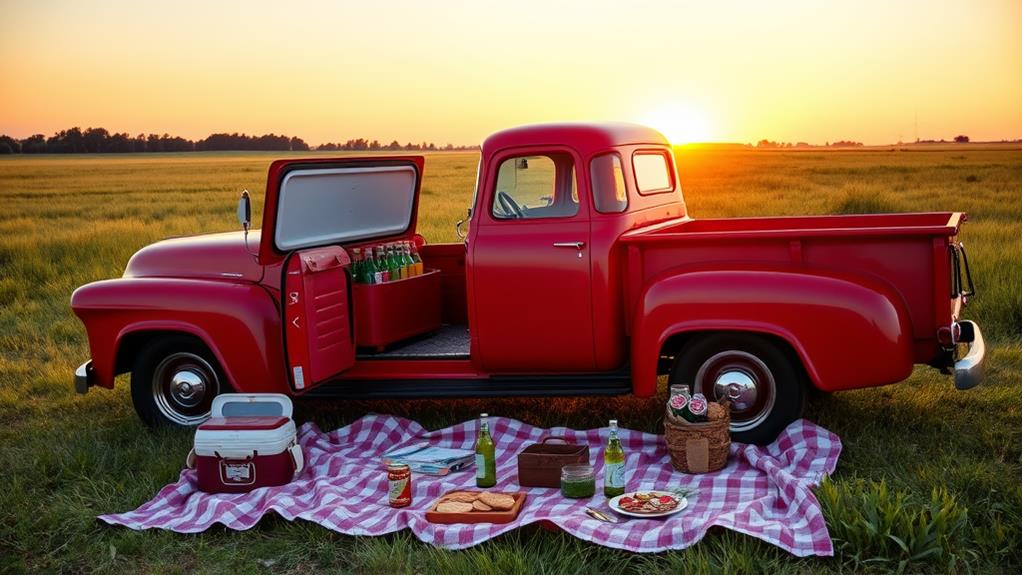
(419, 268)
(356, 265)
(407, 264)
(382, 274)
(613, 464)
(486, 459)
(393, 264)
(369, 268)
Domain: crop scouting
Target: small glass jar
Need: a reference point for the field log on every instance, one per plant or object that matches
(679, 389)
(578, 481)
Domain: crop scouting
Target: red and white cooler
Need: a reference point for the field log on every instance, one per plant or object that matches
(249, 442)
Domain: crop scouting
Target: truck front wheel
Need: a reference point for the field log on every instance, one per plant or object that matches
(763, 385)
(174, 381)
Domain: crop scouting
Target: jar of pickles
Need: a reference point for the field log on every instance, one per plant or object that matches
(578, 481)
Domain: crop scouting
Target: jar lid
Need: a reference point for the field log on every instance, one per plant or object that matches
(577, 470)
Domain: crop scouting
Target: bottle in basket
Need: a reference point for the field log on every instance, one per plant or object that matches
(399, 478)
(697, 406)
(486, 461)
(613, 464)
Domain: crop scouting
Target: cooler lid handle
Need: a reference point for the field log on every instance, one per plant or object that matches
(251, 404)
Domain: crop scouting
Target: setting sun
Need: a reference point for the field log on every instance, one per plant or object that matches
(681, 124)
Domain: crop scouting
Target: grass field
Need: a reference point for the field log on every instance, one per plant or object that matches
(930, 479)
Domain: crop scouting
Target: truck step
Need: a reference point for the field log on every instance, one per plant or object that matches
(495, 386)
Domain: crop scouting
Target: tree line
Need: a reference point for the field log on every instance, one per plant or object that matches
(99, 140)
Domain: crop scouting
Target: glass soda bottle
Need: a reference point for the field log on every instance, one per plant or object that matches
(382, 273)
(406, 260)
(486, 461)
(356, 265)
(368, 268)
(393, 265)
(613, 464)
(417, 259)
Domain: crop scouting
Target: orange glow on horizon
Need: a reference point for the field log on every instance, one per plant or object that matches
(681, 124)
(454, 72)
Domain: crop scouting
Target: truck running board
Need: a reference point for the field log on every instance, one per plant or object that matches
(495, 386)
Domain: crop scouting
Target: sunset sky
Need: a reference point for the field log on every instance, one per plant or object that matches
(734, 71)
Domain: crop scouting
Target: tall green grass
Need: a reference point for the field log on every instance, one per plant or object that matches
(929, 480)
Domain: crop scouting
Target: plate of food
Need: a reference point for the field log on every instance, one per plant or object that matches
(648, 503)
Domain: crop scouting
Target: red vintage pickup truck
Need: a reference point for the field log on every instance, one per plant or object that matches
(581, 273)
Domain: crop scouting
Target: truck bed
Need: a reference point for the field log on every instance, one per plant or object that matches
(907, 251)
(926, 224)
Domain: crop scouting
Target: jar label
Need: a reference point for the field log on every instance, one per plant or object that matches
(480, 466)
(614, 474)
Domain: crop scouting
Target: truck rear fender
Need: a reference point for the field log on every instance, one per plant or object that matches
(237, 321)
(848, 331)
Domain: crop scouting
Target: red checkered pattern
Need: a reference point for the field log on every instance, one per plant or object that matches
(764, 492)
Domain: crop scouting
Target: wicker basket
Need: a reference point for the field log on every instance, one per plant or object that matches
(698, 447)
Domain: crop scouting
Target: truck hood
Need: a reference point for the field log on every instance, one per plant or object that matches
(219, 256)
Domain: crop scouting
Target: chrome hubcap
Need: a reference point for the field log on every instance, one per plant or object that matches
(184, 385)
(738, 387)
(745, 381)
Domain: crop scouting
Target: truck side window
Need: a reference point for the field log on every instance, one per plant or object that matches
(652, 172)
(536, 187)
(608, 179)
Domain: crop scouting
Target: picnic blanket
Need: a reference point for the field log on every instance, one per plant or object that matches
(763, 491)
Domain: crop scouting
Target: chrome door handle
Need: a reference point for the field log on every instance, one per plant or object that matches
(577, 245)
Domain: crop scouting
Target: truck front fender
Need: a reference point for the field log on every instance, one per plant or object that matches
(238, 322)
(848, 331)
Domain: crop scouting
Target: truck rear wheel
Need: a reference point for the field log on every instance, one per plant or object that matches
(174, 381)
(760, 380)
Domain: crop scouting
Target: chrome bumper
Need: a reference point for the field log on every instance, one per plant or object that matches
(969, 369)
(84, 377)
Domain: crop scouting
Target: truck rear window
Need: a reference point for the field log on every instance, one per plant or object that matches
(608, 179)
(652, 172)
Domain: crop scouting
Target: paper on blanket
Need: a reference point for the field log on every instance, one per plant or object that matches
(430, 459)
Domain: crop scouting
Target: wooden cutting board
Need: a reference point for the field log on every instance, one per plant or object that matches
(434, 516)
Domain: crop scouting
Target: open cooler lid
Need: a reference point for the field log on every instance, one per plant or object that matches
(311, 203)
(251, 405)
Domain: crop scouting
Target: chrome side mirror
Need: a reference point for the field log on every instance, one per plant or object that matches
(457, 226)
(245, 210)
(245, 218)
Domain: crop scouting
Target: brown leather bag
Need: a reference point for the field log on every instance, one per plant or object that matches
(539, 464)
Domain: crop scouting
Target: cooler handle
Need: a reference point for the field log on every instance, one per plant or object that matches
(559, 438)
(268, 404)
(297, 457)
(190, 459)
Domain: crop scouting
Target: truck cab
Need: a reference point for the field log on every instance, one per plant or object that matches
(580, 273)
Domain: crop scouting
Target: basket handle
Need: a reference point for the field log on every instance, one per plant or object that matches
(559, 438)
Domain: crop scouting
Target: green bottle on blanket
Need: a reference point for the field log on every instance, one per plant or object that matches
(613, 464)
(486, 461)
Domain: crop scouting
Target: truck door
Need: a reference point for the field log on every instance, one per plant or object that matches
(530, 271)
(318, 322)
(314, 207)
